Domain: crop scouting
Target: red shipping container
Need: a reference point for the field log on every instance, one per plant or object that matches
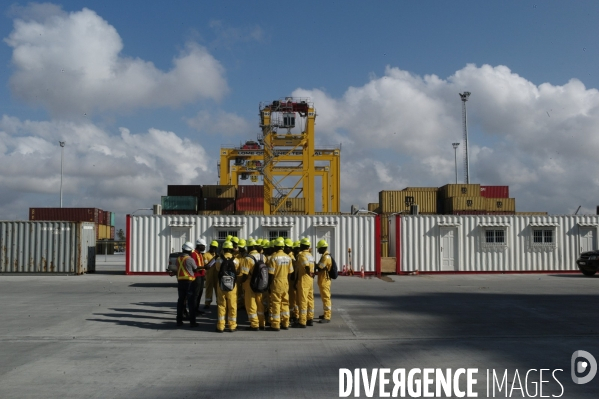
(112, 233)
(65, 214)
(184, 191)
(219, 204)
(495, 191)
(250, 191)
(250, 204)
(101, 217)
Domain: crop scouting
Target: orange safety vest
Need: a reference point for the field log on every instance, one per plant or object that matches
(182, 273)
(199, 260)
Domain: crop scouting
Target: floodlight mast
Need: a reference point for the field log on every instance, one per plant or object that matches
(464, 96)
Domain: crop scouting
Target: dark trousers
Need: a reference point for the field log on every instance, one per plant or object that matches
(186, 292)
(198, 289)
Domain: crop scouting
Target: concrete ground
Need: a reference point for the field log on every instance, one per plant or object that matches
(107, 335)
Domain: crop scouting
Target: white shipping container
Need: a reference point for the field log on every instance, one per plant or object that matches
(487, 243)
(152, 238)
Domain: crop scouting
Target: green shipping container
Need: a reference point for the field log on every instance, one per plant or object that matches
(112, 219)
(172, 203)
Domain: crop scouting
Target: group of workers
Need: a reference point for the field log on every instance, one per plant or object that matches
(289, 300)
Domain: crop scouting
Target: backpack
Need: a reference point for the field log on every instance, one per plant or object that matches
(226, 275)
(259, 280)
(334, 272)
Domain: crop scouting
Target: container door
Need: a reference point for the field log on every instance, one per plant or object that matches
(588, 241)
(327, 234)
(178, 237)
(449, 249)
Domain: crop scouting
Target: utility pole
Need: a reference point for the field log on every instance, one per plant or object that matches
(464, 96)
(62, 143)
(455, 155)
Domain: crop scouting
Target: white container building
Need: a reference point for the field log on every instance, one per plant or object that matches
(485, 243)
(151, 238)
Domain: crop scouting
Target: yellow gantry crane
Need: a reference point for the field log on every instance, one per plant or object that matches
(287, 160)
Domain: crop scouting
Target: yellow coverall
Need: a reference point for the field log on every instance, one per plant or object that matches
(305, 286)
(293, 302)
(253, 300)
(227, 301)
(324, 283)
(279, 266)
(210, 278)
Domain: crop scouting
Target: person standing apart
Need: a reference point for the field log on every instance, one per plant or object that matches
(210, 260)
(185, 276)
(324, 281)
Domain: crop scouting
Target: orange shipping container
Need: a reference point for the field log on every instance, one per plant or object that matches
(219, 191)
(460, 190)
(464, 204)
(291, 205)
(374, 207)
(401, 201)
(500, 204)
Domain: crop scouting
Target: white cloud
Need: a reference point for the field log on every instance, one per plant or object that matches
(221, 123)
(71, 64)
(397, 131)
(116, 172)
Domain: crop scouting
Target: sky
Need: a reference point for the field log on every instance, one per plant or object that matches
(146, 93)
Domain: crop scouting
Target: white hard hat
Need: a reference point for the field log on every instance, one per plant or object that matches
(188, 246)
(201, 241)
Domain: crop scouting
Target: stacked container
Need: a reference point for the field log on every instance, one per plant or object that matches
(402, 201)
(218, 200)
(103, 220)
(249, 199)
(474, 199)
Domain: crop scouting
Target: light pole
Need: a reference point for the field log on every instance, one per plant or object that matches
(62, 143)
(464, 96)
(455, 155)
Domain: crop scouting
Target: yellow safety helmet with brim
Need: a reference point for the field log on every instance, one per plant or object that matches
(296, 244)
(265, 244)
(305, 241)
(235, 240)
(227, 245)
(214, 244)
(242, 243)
(288, 242)
(322, 244)
(279, 242)
(251, 243)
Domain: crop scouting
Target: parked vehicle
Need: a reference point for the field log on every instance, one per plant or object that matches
(588, 263)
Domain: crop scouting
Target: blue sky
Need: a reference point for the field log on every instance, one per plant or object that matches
(384, 77)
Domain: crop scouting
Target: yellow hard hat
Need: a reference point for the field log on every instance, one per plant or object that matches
(258, 242)
(296, 244)
(214, 244)
(272, 242)
(251, 242)
(265, 244)
(235, 240)
(322, 244)
(306, 241)
(227, 244)
(241, 243)
(279, 242)
(288, 242)
(229, 237)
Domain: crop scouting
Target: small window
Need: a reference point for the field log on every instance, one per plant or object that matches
(273, 234)
(223, 234)
(543, 238)
(495, 236)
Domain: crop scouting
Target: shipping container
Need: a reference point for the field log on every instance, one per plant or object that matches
(219, 204)
(215, 212)
(101, 216)
(500, 204)
(65, 214)
(180, 212)
(435, 189)
(103, 232)
(238, 212)
(47, 247)
(189, 190)
(489, 243)
(290, 205)
(219, 191)
(495, 191)
(374, 207)
(253, 191)
(179, 203)
(152, 238)
(112, 232)
(249, 204)
(464, 204)
(460, 190)
(112, 218)
(384, 249)
(385, 225)
(401, 201)
(470, 213)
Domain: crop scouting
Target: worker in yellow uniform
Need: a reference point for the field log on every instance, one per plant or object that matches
(253, 300)
(324, 281)
(241, 253)
(279, 269)
(266, 252)
(210, 260)
(227, 300)
(305, 284)
(293, 306)
(186, 267)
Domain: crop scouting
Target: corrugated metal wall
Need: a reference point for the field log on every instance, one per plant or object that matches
(47, 247)
(150, 236)
(420, 242)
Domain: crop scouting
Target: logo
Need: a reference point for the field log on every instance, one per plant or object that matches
(583, 362)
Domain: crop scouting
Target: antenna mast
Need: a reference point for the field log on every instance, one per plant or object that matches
(464, 96)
